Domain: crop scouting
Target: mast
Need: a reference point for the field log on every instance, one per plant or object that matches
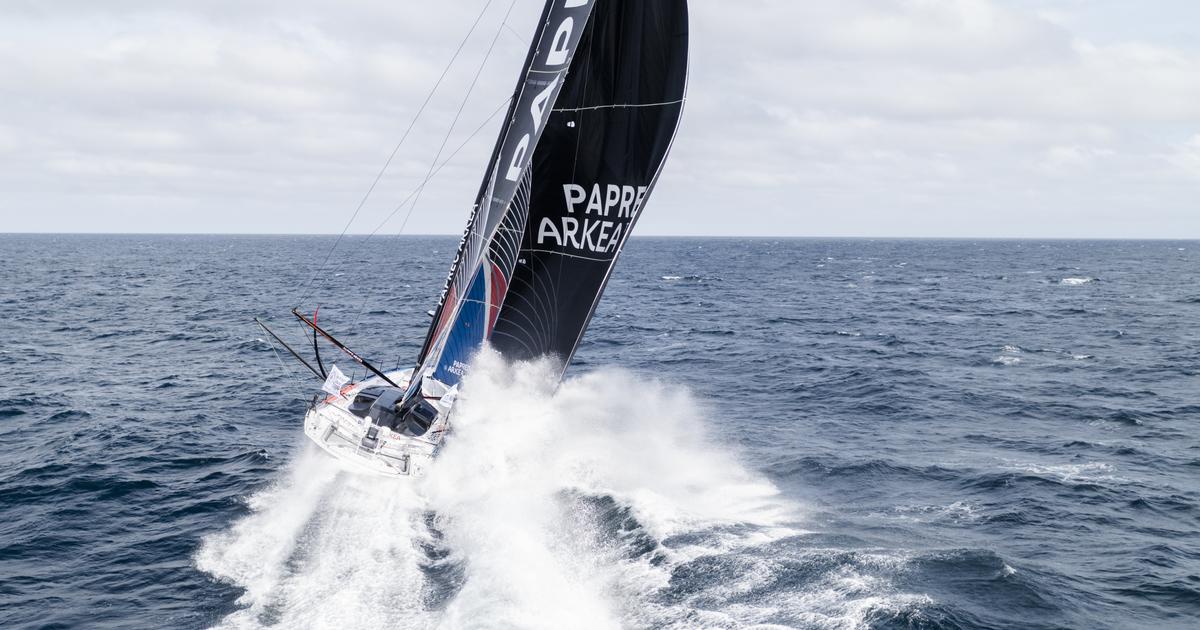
(479, 276)
(480, 197)
(603, 149)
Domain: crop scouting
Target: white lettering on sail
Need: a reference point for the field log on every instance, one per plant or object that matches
(611, 196)
(587, 235)
(538, 108)
(614, 242)
(548, 229)
(558, 49)
(601, 230)
(641, 196)
(627, 195)
(596, 236)
(604, 226)
(604, 199)
(570, 227)
(574, 194)
(558, 55)
(594, 201)
(518, 159)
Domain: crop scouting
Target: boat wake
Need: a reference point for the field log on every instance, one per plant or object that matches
(549, 508)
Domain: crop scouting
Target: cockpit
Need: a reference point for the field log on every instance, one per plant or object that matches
(385, 407)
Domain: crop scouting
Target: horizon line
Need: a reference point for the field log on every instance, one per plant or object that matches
(636, 236)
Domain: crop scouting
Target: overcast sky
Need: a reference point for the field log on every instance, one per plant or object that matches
(1026, 118)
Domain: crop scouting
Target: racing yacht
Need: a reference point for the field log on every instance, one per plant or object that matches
(589, 126)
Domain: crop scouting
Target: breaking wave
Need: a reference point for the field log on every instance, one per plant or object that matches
(550, 507)
(943, 491)
(689, 278)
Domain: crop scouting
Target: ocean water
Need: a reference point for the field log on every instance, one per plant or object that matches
(756, 433)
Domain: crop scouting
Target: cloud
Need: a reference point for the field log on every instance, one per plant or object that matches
(1186, 157)
(233, 112)
(1060, 160)
(861, 117)
(951, 114)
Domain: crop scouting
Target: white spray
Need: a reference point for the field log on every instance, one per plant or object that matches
(519, 495)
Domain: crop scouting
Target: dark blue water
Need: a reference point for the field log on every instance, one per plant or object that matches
(804, 433)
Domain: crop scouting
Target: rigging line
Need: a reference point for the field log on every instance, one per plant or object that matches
(392, 156)
(430, 174)
(412, 193)
(290, 373)
(469, 239)
(433, 165)
(461, 107)
(518, 35)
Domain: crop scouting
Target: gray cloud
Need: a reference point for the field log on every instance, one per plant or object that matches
(862, 117)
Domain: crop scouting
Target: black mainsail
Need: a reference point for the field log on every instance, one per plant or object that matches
(479, 276)
(601, 152)
(590, 125)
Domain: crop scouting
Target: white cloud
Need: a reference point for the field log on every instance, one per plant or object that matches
(1064, 160)
(1186, 157)
(867, 117)
(950, 114)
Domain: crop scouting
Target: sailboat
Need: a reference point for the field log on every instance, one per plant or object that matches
(591, 121)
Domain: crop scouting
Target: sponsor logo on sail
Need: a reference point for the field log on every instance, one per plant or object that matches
(557, 56)
(596, 218)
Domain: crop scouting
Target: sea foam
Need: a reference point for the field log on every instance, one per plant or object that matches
(512, 526)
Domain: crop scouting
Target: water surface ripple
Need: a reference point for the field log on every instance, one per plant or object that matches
(805, 433)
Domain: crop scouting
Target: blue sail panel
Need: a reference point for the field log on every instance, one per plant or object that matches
(467, 332)
(550, 55)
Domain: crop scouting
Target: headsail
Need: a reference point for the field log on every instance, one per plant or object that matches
(601, 152)
(479, 277)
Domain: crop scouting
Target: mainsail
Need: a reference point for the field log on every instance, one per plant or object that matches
(601, 153)
(587, 132)
(591, 122)
(478, 279)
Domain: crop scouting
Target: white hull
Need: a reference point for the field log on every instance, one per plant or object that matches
(340, 433)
